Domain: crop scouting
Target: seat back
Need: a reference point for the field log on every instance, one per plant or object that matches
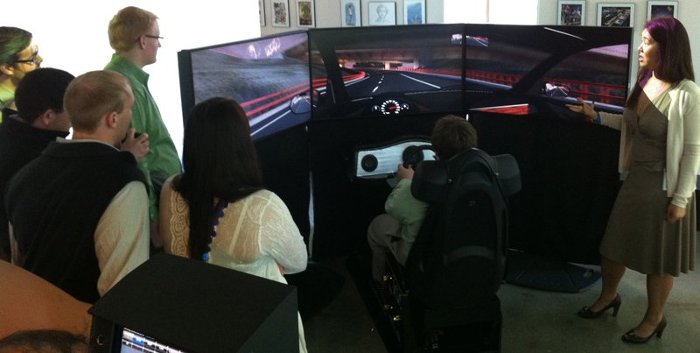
(458, 258)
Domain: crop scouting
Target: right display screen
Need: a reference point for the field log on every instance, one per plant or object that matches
(537, 69)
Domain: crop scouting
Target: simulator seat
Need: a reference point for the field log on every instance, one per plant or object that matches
(444, 299)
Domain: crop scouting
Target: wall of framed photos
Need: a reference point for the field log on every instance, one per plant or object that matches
(289, 15)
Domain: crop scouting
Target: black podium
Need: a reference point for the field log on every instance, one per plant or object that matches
(173, 304)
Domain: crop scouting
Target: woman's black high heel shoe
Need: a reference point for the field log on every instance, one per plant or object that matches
(631, 337)
(587, 313)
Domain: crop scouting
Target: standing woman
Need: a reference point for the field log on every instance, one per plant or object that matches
(217, 211)
(652, 227)
(18, 56)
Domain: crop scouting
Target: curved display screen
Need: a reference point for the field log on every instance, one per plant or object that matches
(284, 80)
(269, 77)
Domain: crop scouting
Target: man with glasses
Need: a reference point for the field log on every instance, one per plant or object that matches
(18, 56)
(134, 34)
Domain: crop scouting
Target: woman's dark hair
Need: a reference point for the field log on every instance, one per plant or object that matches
(675, 60)
(12, 41)
(219, 162)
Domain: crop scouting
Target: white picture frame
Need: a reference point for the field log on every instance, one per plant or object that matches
(305, 13)
(279, 13)
(661, 8)
(615, 14)
(381, 13)
(414, 12)
(571, 12)
(350, 13)
(261, 12)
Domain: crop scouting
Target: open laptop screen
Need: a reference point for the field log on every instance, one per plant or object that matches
(134, 342)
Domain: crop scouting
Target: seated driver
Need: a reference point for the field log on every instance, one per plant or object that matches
(396, 230)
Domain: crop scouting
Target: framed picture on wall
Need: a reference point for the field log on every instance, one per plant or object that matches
(350, 13)
(261, 12)
(414, 12)
(615, 15)
(382, 13)
(305, 13)
(280, 13)
(571, 13)
(662, 8)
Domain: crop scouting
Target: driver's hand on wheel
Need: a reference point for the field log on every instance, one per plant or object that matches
(404, 173)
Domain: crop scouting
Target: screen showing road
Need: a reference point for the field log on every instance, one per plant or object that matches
(386, 71)
(269, 77)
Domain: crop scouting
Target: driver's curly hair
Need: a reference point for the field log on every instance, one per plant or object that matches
(451, 135)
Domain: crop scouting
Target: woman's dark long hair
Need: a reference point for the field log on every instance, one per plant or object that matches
(219, 162)
(676, 62)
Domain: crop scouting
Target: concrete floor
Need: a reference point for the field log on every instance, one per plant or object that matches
(539, 321)
(533, 320)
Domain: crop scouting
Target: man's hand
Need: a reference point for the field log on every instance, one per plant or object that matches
(136, 144)
(404, 173)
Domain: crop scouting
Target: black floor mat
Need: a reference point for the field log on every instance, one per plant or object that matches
(558, 276)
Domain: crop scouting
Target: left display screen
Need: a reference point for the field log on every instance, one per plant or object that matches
(268, 77)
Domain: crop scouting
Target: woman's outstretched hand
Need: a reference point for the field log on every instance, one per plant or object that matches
(584, 108)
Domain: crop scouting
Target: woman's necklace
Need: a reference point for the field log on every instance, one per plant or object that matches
(654, 87)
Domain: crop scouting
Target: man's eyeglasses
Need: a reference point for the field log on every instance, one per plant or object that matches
(154, 37)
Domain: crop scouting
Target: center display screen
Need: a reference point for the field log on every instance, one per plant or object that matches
(388, 71)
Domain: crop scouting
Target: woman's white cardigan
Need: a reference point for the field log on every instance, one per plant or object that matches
(682, 141)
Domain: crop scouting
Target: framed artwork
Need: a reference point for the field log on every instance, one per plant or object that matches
(305, 13)
(382, 13)
(615, 15)
(280, 13)
(261, 12)
(571, 13)
(350, 13)
(413, 12)
(662, 8)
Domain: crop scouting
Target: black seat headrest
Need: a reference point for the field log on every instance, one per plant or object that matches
(431, 180)
(508, 173)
